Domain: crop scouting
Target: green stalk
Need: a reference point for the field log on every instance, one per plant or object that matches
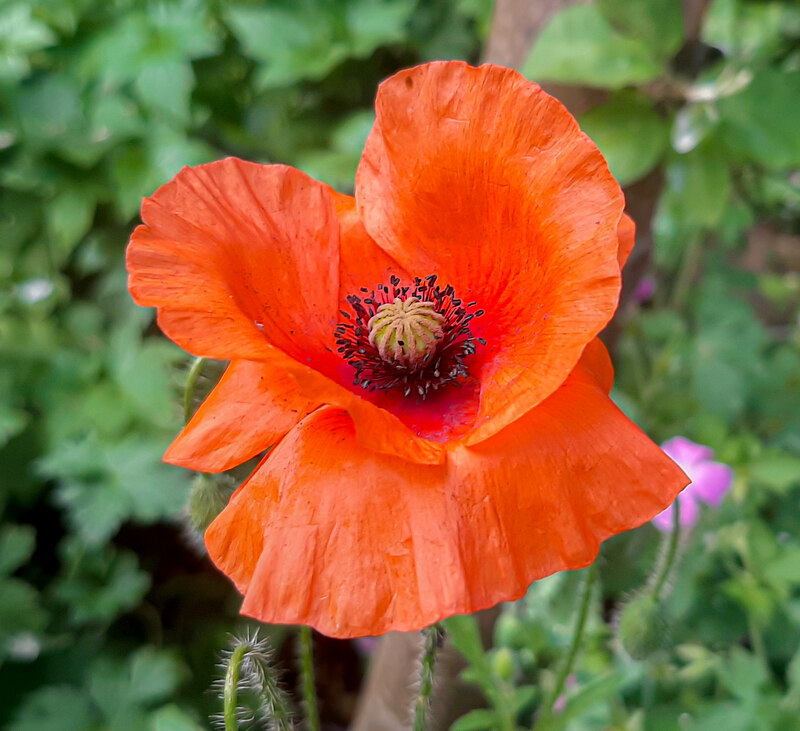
(307, 673)
(575, 644)
(431, 639)
(231, 689)
(188, 388)
(671, 552)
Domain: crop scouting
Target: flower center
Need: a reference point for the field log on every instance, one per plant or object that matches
(406, 331)
(414, 338)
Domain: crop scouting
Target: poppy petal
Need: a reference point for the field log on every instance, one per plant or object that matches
(239, 257)
(354, 543)
(250, 409)
(626, 234)
(480, 177)
(596, 363)
(362, 263)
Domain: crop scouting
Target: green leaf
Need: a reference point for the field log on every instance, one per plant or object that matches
(761, 121)
(122, 687)
(743, 673)
(778, 471)
(20, 611)
(16, 547)
(579, 46)
(466, 638)
(482, 718)
(172, 718)
(698, 186)
(154, 675)
(304, 39)
(630, 135)
(12, 422)
(101, 485)
(747, 29)
(69, 217)
(372, 24)
(51, 111)
(725, 352)
(143, 372)
(292, 41)
(165, 87)
(658, 22)
(595, 691)
(20, 35)
(55, 708)
(99, 585)
(784, 569)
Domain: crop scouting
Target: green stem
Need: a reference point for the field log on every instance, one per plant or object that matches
(575, 644)
(232, 687)
(671, 552)
(753, 628)
(431, 639)
(692, 258)
(188, 388)
(307, 672)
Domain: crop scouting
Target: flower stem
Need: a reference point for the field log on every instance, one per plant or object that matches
(431, 638)
(231, 689)
(188, 388)
(307, 672)
(668, 560)
(575, 644)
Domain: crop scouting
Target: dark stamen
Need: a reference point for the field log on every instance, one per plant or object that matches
(442, 365)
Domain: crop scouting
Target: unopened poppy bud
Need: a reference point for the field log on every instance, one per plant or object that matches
(406, 331)
(502, 664)
(509, 631)
(644, 627)
(209, 494)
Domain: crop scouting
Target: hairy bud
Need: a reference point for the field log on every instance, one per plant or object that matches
(644, 627)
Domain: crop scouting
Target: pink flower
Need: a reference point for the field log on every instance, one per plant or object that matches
(645, 289)
(710, 481)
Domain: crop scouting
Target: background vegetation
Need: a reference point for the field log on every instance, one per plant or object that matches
(110, 618)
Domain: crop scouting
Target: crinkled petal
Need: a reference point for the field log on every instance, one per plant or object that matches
(480, 177)
(239, 259)
(330, 534)
(242, 262)
(252, 407)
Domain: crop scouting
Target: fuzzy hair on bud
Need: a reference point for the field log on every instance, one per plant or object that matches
(208, 495)
(644, 627)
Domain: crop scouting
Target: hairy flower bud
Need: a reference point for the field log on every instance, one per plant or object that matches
(208, 495)
(644, 627)
(502, 663)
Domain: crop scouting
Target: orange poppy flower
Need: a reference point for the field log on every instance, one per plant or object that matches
(423, 356)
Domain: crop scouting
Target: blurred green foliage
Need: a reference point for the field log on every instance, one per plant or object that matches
(104, 621)
(107, 619)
